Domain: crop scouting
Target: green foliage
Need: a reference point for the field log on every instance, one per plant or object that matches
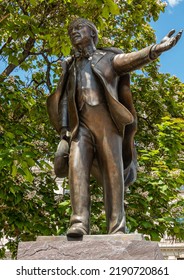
(33, 40)
(153, 203)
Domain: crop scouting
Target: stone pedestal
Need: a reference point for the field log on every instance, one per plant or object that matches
(90, 247)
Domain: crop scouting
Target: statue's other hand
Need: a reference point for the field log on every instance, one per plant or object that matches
(168, 41)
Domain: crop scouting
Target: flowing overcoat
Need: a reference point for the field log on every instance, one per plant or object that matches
(62, 108)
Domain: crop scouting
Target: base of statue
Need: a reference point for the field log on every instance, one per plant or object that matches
(90, 247)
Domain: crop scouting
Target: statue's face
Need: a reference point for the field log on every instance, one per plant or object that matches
(81, 35)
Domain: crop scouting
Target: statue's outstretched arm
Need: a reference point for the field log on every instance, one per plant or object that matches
(124, 63)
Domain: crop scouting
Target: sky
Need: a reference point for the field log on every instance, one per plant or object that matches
(173, 18)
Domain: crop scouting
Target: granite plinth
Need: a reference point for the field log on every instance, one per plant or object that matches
(90, 247)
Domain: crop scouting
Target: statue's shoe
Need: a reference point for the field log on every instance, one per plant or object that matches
(76, 230)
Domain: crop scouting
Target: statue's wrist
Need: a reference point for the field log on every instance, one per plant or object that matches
(154, 54)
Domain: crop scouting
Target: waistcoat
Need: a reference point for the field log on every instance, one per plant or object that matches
(88, 87)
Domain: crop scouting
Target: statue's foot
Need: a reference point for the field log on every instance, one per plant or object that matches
(76, 230)
(119, 232)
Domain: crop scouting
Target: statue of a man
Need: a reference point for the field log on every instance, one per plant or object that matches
(92, 110)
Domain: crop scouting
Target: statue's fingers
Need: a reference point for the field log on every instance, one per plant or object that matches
(178, 35)
(170, 33)
(170, 43)
(173, 41)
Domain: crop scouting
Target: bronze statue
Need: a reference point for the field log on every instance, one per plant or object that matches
(93, 112)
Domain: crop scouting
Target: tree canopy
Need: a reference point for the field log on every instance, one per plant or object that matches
(33, 42)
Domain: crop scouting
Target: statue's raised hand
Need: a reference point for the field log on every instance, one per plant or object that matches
(166, 44)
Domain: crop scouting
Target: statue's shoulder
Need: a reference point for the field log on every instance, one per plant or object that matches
(111, 49)
(124, 79)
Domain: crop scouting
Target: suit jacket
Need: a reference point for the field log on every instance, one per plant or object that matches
(62, 108)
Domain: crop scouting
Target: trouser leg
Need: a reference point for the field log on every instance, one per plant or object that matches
(111, 164)
(109, 155)
(80, 161)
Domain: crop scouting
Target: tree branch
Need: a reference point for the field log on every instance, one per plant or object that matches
(48, 82)
(40, 53)
(29, 44)
(4, 17)
(5, 44)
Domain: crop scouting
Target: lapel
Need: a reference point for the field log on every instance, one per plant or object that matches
(119, 113)
(71, 84)
(98, 55)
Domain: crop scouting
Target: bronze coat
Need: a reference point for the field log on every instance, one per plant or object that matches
(62, 108)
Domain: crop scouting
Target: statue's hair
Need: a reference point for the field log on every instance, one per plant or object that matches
(84, 22)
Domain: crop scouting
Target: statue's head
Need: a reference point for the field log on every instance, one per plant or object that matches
(78, 24)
